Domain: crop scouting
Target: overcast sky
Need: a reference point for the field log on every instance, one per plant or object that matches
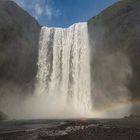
(63, 13)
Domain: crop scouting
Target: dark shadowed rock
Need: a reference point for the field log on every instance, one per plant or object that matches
(115, 42)
(19, 34)
(2, 116)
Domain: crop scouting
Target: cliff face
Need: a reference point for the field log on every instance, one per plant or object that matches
(115, 54)
(19, 34)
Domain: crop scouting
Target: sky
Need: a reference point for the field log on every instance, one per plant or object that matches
(63, 13)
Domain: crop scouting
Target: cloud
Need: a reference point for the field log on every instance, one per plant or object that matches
(48, 11)
(40, 8)
(58, 13)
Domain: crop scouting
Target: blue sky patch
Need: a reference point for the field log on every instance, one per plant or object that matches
(63, 13)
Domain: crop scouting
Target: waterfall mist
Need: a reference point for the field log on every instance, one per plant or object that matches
(68, 85)
(62, 88)
(111, 73)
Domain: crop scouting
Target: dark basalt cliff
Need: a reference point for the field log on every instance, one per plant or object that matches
(115, 42)
(19, 34)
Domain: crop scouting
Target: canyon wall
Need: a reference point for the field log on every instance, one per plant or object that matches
(115, 54)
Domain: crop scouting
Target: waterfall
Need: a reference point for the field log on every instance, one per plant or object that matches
(63, 76)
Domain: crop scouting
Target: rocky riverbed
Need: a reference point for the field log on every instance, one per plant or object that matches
(95, 129)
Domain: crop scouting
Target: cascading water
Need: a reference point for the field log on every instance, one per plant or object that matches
(63, 76)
